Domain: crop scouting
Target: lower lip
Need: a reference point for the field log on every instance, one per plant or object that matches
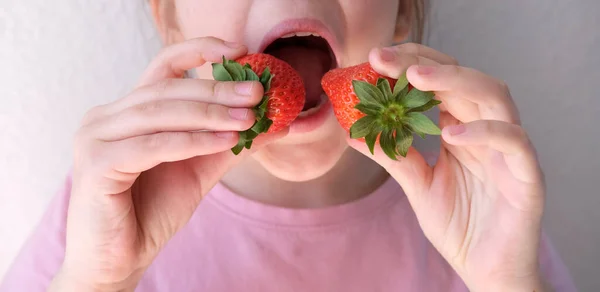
(313, 121)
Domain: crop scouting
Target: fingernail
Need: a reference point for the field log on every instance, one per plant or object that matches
(456, 130)
(224, 134)
(244, 88)
(425, 70)
(239, 113)
(387, 54)
(233, 45)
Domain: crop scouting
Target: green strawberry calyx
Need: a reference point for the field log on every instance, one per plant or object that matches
(393, 116)
(231, 70)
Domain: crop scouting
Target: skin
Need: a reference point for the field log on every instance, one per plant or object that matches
(480, 206)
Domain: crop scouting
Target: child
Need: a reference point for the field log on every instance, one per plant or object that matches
(157, 201)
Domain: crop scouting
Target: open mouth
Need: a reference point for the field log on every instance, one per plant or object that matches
(312, 56)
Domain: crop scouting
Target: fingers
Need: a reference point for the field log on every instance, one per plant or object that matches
(174, 60)
(411, 172)
(138, 154)
(467, 94)
(394, 61)
(111, 167)
(458, 86)
(426, 52)
(232, 94)
(170, 116)
(235, 94)
(509, 139)
(390, 63)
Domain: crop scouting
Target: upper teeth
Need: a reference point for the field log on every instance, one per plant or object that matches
(300, 34)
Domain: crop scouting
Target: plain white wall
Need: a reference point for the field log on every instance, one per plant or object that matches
(58, 58)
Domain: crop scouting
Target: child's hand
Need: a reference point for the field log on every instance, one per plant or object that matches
(481, 205)
(144, 162)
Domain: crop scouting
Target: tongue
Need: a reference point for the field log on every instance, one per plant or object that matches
(311, 63)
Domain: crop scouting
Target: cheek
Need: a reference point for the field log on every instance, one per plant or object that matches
(372, 25)
(206, 18)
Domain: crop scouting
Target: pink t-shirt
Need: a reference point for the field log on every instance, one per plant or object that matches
(234, 244)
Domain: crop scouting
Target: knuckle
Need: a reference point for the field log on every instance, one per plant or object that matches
(503, 88)
(209, 39)
(493, 105)
(218, 88)
(522, 135)
(404, 61)
(81, 137)
(163, 51)
(92, 114)
(155, 141)
(162, 86)
(489, 127)
(410, 48)
(91, 157)
(149, 108)
(162, 54)
(203, 110)
(80, 147)
(213, 112)
(456, 70)
(452, 61)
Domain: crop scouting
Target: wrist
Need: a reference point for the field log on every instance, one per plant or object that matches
(529, 284)
(63, 282)
(66, 281)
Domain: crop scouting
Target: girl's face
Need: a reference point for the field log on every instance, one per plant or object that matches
(346, 31)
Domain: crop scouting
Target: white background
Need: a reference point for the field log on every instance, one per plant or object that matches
(58, 58)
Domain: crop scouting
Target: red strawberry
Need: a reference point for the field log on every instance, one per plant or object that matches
(366, 106)
(284, 92)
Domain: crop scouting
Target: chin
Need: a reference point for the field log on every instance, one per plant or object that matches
(304, 157)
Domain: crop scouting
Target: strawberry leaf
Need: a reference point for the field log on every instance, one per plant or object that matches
(250, 75)
(403, 141)
(262, 126)
(371, 138)
(367, 92)
(362, 127)
(432, 103)
(422, 124)
(220, 73)
(261, 109)
(237, 149)
(265, 79)
(248, 135)
(416, 98)
(401, 85)
(368, 109)
(236, 70)
(388, 143)
(384, 86)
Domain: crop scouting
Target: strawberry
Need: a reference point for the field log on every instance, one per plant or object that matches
(284, 92)
(366, 107)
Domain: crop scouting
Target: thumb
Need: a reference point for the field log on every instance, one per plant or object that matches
(412, 172)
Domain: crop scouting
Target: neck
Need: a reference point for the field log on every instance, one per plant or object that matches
(353, 177)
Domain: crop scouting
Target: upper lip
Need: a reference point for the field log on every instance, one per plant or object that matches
(301, 25)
